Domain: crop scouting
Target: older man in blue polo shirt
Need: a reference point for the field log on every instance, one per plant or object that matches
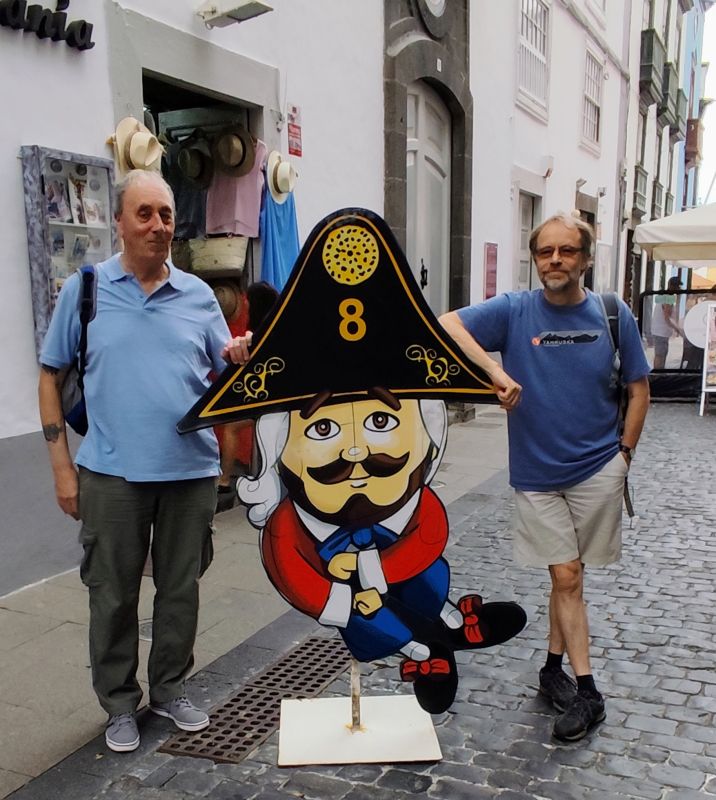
(157, 335)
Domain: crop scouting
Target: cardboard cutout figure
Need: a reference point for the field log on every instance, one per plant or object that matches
(348, 377)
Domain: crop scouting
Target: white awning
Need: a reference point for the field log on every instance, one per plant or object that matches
(684, 237)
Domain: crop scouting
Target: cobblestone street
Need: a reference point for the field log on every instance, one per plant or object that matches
(652, 627)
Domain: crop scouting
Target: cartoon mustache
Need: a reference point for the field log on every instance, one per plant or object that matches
(378, 465)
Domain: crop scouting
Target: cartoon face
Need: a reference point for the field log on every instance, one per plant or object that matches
(353, 456)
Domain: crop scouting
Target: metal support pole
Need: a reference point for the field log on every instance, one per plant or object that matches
(355, 695)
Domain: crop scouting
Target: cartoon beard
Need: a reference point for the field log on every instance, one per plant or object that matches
(358, 511)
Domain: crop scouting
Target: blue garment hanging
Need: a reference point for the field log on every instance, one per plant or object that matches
(279, 239)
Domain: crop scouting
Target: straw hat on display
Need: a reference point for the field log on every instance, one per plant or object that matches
(135, 146)
(195, 161)
(234, 151)
(280, 176)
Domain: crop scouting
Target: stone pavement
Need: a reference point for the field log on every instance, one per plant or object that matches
(653, 646)
(47, 707)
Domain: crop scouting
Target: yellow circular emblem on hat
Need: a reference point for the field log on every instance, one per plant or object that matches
(350, 254)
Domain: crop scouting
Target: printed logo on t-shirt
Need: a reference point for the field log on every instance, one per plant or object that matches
(557, 338)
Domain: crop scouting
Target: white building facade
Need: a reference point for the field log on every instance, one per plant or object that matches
(463, 122)
(550, 83)
(664, 132)
(322, 56)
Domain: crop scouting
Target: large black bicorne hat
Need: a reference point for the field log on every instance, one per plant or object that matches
(350, 318)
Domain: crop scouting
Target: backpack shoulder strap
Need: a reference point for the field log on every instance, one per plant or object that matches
(610, 309)
(87, 310)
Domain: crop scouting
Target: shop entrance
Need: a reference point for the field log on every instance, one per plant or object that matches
(213, 161)
(188, 122)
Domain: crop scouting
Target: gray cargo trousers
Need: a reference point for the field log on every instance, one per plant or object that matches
(120, 520)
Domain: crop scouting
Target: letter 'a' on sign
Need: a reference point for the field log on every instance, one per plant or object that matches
(46, 24)
(350, 318)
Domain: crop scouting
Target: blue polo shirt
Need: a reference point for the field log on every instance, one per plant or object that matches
(565, 428)
(148, 361)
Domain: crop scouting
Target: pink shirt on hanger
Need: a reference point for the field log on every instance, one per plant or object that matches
(233, 204)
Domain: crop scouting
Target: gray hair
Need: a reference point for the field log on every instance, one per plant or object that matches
(586, 232)
(263, 493)
(137, 176)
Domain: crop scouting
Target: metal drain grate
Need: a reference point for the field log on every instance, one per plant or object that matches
(307, 669)
(248, 718)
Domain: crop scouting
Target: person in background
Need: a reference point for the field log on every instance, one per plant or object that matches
(568, 461)
(237, 437)
(157, 335)
(664, 321)
(235, 440)
(262, 298)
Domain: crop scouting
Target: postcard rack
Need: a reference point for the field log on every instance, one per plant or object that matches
(69, 214)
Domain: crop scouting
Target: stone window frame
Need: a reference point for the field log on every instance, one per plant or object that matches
(530, 51)
(592, 99)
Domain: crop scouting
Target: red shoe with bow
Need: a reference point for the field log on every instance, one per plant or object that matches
(434, 680)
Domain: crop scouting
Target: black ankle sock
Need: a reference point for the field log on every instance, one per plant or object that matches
(585, 685)
(554, 661)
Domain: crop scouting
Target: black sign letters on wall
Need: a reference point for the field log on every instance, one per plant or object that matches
(46, 24)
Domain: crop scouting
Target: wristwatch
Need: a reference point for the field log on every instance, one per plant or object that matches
(628, 451)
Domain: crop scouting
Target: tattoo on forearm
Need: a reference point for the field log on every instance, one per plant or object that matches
(50, 370)
(52, 431)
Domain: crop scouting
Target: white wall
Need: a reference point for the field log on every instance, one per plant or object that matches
(330, 57)
(52, 96)
(329, 54)
(492, 81)
(514, 148)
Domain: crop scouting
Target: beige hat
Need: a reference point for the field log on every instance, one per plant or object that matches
(280, 176)
(228, 295)
(135, 146)
(234, 152)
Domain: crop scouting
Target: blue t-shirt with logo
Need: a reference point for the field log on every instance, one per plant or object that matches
(149, 358)
(564, 429)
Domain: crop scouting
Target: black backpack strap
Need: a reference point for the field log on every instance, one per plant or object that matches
(87, 309)
(610, 308)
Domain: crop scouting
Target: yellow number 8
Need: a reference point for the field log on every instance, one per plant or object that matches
(352, 327)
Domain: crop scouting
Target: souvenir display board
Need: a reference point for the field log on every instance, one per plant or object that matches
(348, 376)
(70, 221)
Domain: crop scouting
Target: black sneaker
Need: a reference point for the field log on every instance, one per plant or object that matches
(558, 687)
(585, 711)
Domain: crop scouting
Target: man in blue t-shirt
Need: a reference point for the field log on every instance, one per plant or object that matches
(157, 335)
(567, 459)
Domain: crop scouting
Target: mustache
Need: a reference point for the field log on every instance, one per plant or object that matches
(378, 465)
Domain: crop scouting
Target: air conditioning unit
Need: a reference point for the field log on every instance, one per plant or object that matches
(220, 13)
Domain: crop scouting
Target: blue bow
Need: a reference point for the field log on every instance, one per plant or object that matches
(360, 538)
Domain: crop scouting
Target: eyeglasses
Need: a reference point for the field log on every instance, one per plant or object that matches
(565, 251)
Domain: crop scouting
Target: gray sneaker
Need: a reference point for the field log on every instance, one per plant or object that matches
(185, 715)
(122, 734)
